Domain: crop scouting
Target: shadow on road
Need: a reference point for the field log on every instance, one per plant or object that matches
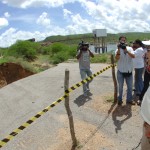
(81, 100)
(121, 111)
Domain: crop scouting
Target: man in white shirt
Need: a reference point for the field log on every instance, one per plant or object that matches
(124, 55)
(138, 64)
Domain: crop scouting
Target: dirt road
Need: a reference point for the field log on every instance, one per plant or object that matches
(99, 125)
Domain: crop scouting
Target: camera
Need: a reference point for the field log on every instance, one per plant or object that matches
(122, 45)
(83, 46)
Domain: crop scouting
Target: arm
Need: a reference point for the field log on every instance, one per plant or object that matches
(129, 53)
(91, 54)
(79, 54)
(147, 129)
(117, 55)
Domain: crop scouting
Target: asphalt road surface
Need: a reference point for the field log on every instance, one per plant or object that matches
(99, 124)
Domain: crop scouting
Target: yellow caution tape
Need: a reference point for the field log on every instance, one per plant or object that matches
(39, 114)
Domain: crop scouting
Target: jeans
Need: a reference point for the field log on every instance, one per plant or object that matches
(146, 84)
(138, 83)
(84, 73)
(129, 83)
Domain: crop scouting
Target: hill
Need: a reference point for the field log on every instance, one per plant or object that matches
(111, 38)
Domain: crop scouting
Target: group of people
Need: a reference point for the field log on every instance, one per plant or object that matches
(129, 58)
(137, 58)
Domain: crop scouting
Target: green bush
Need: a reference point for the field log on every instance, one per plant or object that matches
(58, 47)
(60, 57)
(100, 58)
(3, 51)
(3, 60)
(61, 52)
(72, 51)
(24, 49)
(46, 50)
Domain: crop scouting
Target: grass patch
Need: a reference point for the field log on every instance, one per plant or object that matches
(109, 98)
(20, 61)
(3, 60)
(101, 58)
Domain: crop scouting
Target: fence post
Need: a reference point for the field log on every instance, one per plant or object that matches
(71, 123)
(114, 78)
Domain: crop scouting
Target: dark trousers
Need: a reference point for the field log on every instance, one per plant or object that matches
(146, 84)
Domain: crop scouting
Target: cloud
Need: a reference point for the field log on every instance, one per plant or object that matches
(120, 16)
(6, 14)
(44, 20)
(37, 3)
(66, 13)
(26, 18)
(11, 35)
(3, 22)
(114, 15)
(81, 25)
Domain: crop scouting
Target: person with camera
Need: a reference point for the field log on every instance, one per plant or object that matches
(83, 56)
(124, 55)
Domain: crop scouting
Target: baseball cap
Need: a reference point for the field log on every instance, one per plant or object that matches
(145, 106)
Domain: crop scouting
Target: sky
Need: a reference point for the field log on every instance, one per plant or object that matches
(26, 19)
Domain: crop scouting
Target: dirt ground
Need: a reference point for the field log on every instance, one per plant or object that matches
(11, 72)
(91, 137)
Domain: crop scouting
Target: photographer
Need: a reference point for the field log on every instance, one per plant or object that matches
(124, 55)
(83, 56)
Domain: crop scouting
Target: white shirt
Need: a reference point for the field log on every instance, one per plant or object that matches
(84, 60)
(138, 61)
(145, 106)
(125, 63)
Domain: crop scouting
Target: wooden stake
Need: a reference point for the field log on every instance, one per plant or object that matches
(114, 79)
(70, 117)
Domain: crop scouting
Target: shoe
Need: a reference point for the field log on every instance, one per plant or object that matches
(139, 103)
(88, 90)
(131, 102)
(120, 102)
(137, 94)
(85, 94)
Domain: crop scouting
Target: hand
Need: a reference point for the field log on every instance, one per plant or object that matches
(147, 129)
(125, 51)
(118, 46)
